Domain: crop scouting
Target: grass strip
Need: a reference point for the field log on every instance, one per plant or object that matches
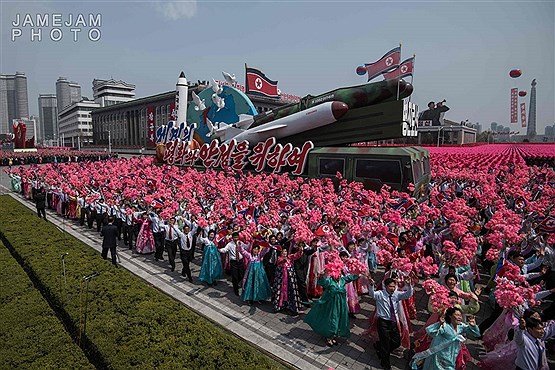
(130, 324)
(32, 337)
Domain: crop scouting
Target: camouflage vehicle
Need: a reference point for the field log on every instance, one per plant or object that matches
(396, 167)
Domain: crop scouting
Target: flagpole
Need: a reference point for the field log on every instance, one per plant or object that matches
(399, 78)
(246, 81)
(412, 74)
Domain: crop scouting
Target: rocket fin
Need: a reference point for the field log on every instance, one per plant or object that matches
(245, 121)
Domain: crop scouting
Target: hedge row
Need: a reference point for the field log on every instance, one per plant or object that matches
(32, 337)
(130, 324)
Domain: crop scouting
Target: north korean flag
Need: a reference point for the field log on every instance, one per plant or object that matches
(389, 61)
(323, 230)
(274, 193)
(404, 70)
(258, 84)
(287, 206)
(548, 225)
(361, 197)
(221, 235)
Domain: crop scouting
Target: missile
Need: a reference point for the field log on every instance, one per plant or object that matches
(181, 95)
(308, 119)
(354, 97)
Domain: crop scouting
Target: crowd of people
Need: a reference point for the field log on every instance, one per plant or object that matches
(50, 155)
(307, 246)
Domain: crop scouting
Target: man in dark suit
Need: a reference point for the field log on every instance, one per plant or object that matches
(269, 261)
(109, 241)
(301, 268)
(40, 202)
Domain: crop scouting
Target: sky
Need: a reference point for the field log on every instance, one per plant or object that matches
(464, 49)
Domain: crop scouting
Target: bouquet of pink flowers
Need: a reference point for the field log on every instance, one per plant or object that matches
(355, 266)
(402, 264)
(439, 295)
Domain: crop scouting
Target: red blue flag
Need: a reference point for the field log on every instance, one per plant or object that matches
(258, 84)
(547, 225)
(405, 69)
(323, 230)
(287, 206)
(389, 61)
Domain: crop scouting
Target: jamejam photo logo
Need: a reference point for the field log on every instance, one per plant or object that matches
(56, 26)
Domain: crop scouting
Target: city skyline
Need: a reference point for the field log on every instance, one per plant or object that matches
(464, 51)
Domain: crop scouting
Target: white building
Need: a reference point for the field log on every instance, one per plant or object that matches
(75, 124)
(110, 92)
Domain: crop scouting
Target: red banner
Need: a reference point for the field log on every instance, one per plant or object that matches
(151, 126)
(172, 114)
(514, 105)
(523, 114)
(236, 155)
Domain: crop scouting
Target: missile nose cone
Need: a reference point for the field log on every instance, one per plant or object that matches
(182, 75)
(338, 109)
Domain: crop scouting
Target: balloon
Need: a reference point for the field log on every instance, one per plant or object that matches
(522, 93)
(515, 73)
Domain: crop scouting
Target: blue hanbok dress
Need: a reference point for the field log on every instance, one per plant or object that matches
(445, 346)
(211, 268)
(255, 286)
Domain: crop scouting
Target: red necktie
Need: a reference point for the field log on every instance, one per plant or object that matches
(392, 309)
(171, 227)
(237, 253)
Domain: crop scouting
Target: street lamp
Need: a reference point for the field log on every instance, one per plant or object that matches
(438, 134)
(84, 304)
(109, 141)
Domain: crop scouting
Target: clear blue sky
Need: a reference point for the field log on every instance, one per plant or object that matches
(464, 50)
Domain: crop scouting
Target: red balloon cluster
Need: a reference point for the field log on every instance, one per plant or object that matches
(514, 73)
(522, 94)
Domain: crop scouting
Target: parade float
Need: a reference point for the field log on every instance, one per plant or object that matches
(217, 126)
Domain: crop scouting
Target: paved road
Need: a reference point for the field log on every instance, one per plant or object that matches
(286, 337)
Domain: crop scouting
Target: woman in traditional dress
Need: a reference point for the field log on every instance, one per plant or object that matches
(285, 291)
(350, 288)
(255, 286)
(446, 342)
(359, 250)
(316, 265)
(329, 315)
(211, 269)
(145, 239)
(423, 340)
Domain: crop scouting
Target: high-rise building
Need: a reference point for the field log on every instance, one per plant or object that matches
(550, 131)
(67, 92)
(531, 130)
(110, 92)
(493, 126)
(13, 100)
(48, 113)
